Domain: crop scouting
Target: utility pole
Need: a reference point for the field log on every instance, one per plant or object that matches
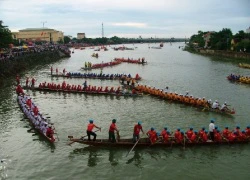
(43, 22)
(102, 31)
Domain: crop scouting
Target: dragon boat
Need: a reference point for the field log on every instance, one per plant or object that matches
(145, 142)
(102, 65)
(138, 61)
(29, 118)
(114, 93)
(244, 65)
(93, 76)
(239, 78)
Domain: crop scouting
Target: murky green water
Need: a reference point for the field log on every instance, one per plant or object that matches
(28, 156)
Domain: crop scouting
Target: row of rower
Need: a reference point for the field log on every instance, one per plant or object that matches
(38, 120)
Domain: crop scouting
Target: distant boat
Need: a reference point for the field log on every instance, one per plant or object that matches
(153, 47)
(161, 45)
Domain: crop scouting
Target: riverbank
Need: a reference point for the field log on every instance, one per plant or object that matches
(19, 64)
(237, 57)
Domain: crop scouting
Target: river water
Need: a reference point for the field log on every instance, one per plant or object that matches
(28, 156)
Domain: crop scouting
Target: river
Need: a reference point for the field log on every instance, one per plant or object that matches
(28, 156)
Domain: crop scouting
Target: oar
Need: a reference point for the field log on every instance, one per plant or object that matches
(81, 137)
(133, 146)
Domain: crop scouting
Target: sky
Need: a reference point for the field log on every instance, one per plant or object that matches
(127, 18)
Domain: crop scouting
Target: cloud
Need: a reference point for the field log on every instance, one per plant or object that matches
(130, 24)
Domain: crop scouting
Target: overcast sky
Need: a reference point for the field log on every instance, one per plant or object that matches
(127, 18)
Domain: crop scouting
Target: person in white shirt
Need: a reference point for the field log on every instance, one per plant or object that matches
(224, 107)
(211, 128)
(215, 105)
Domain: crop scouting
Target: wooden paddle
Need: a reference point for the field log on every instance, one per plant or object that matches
(81, 138)
(134, 146)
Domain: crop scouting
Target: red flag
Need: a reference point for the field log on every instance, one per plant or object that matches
(41, 33)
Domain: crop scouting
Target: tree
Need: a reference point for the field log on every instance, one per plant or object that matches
(66, 39)
(5, 36)
(198, 38)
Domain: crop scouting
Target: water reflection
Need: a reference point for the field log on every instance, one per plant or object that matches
(136, 159)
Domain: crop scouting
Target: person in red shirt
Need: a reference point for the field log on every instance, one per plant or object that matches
(152, 135)
(18, 79)
(177, 133)
(247, 131)
(19, 90)
(27, 81)
(242, 136)
(201, 132)
(180, 137)
(232, 136)
(217, 136)
(204, 137)
(193, 138)
(90, 128)
(33, 82)
(35, 110)
(137, 129)
(189, 133)
(112, 130)
(165, 135)
(50, 133)
(225, 132)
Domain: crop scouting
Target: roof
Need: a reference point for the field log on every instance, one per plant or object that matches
(36, 29)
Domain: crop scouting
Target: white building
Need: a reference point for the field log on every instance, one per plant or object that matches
(248, 30)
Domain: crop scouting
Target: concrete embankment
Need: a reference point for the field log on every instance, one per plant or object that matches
(227, 54)
(18, 64)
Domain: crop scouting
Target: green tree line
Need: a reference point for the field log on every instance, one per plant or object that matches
(222, 40)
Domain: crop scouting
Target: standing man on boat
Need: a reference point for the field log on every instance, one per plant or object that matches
(90, 127)
(211, 128)
(112, 130)
(137, 129)
(50, 133)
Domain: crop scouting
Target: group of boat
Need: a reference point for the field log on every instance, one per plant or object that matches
(96, 76)
(94, 90)
(203, 103)
(239, 78)
(134, 61)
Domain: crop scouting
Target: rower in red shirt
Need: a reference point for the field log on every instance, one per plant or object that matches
(152, 135)
(193, 138)
(180, 138)
(217, 136)
(19, 90)
(137, 129)
(204, 137)
(112, 130)
(247, 131)
(35, 110)
(232, 136)
(189, 133)
(225, 132)
(50, 133)
(90, 128)
(165, 135)
(177, 133)
(242, 136)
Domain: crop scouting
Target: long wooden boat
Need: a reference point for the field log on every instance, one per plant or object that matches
(239, 79)
(244, 65)
(102, 65)
(34, 126)
(133, 61)
(145, 142)
(84, 92)
(86, 76)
